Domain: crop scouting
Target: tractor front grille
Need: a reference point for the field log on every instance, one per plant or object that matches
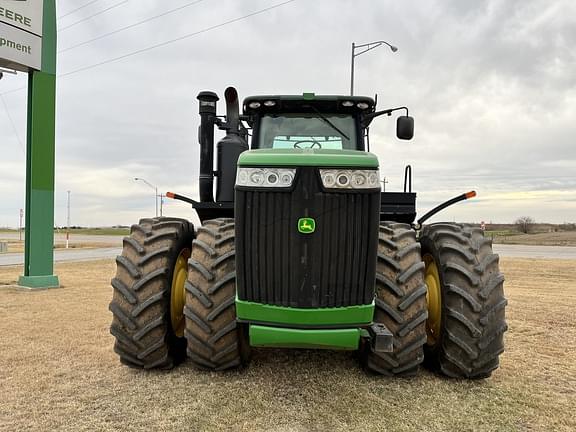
(332, 267)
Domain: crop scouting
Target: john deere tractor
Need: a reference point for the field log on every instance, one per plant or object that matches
(298, 247)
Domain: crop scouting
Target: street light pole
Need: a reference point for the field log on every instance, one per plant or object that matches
(155, 191)
(368, 46)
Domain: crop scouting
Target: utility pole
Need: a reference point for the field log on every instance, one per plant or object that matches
(384, 183)
(68, 223)
(161, 204)
(368, 47)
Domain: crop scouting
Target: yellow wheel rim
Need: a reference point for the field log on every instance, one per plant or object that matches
(434, 300)
(178, 293)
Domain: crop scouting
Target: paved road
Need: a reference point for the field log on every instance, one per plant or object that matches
(525, 251)
(74, 238)
(513, 251)
(11, 259)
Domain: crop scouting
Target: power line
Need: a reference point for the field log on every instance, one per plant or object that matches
(12, 123)
(93, 15)
(186, 36)
(131, 26)
(77, 9)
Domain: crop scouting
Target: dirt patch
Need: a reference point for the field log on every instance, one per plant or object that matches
(59, 371)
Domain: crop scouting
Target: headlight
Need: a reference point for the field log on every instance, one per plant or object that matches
(265, 177)
(350, 179)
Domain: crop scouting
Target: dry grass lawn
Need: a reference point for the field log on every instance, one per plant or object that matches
(560, 238)
(58, 371)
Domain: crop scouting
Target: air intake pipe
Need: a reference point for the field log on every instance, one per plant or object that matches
(207, 102)
(229, 148)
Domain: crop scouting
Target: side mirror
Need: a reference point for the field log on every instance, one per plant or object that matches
(405, 127)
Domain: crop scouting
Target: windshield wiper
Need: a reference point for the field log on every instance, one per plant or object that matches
(329, 122)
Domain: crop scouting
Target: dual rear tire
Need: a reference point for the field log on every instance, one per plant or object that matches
(159, 313)
(442, 298)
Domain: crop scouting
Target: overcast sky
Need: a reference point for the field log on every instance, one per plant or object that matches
(491, 84)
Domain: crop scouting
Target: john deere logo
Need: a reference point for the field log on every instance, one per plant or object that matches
(306, 225)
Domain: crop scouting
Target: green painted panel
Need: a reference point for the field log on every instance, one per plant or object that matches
(308, 157)
(351, 315)
(41, 132)
(39, 281)
(49, 38)
(40, 234)
(275, 337)
(38, 255)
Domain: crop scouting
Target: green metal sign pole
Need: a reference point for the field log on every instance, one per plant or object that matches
(40, 152)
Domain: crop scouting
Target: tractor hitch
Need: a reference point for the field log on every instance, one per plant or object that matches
(381, 339)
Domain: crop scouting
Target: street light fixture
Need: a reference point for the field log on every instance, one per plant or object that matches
(155, 190)
(3, 71)
(367, 47)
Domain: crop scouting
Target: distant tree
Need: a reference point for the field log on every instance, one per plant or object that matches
(525, 224)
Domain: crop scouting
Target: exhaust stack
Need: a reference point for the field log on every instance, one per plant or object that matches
(232, 111)
(229, 148)
(207, 104)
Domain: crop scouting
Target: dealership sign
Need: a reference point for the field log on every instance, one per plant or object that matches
(21, 34)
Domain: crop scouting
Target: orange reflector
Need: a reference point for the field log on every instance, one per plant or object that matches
(170, 195)
(470, 194)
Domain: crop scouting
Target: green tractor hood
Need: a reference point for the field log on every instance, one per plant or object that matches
(308, 157)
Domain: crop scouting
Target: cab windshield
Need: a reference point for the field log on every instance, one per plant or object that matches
(320, 131)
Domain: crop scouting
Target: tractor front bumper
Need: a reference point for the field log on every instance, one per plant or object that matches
(377, 335)
(342, 328)
(279, 337)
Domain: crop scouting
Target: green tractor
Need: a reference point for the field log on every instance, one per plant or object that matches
(299, 248)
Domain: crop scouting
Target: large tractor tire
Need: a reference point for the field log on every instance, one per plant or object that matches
(466, 301)
(148, 299)
(400, 301)
(215, 340)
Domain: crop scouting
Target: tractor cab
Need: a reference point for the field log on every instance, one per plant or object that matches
(318, 122)
(303, 129)
(307, 121)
